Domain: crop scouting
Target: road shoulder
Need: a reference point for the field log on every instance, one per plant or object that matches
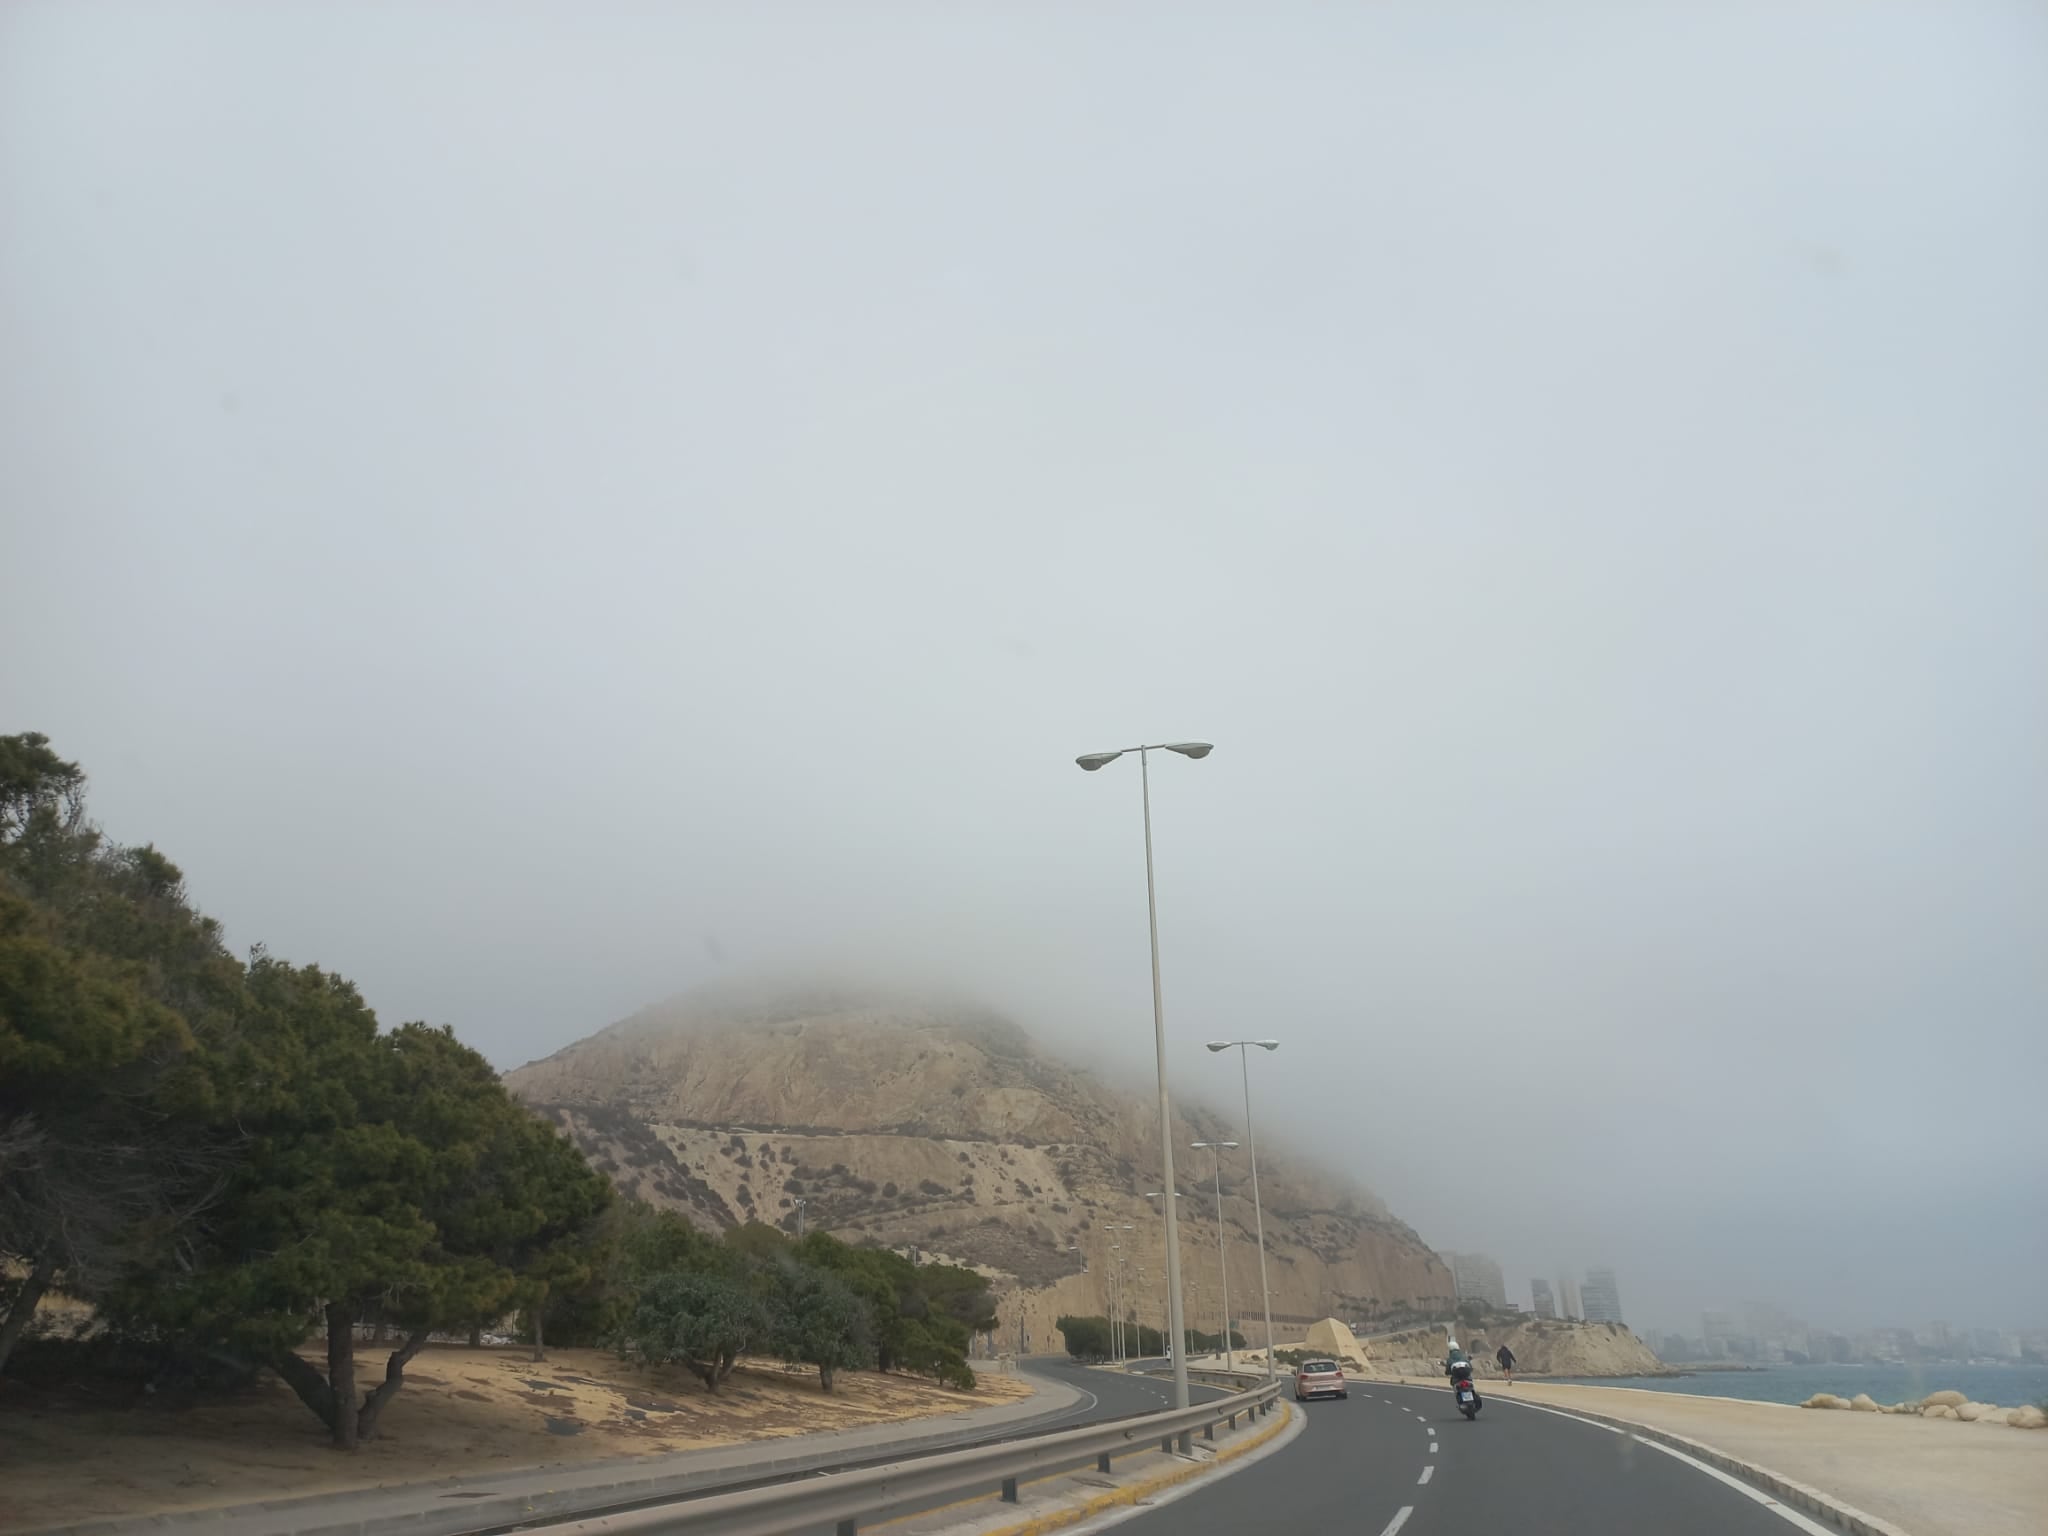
(447, 1506)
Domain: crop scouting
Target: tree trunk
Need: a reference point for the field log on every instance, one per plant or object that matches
(381, 1332)
(341, 1373)
(825, 1377)
(308, 1383)
(24, 1308)
(540, 1307)
(365, 1422)
(476, 1335)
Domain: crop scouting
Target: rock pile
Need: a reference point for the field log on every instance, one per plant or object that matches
(1938, 1405)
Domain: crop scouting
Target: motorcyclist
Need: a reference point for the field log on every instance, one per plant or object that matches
(1457, 1364)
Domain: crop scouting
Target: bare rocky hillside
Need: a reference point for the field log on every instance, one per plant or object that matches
(1541, 1347)
(943, 1127)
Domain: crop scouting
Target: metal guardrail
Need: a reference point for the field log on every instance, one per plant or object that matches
(843, 1500)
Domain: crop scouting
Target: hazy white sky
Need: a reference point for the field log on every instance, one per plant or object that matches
(534, 507)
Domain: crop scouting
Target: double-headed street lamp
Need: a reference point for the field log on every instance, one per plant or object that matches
(1258, 1215)
(1090, 761)
(1216, 1149)
(1117, 1288)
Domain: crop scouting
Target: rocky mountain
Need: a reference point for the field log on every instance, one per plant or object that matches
(942, 1126)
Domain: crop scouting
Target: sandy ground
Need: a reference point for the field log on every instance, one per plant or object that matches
(1930, 1477)
(68, 1457)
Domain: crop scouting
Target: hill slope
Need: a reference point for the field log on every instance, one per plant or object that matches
(942, 1126)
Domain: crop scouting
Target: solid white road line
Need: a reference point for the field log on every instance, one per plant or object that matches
(1399, 1520)
(1811, 1527)
(1427, 1472)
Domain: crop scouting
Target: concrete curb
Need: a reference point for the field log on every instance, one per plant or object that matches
(1088, 1509)
(468, 1509)
(1823, 1507)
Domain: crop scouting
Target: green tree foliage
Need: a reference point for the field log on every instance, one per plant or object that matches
(386, 1172)
(702, 1321)
(108, 982)
(226, 1157)
(629, 1244)
(917, 1308)
(755, 1242)
(1087, 1338)
(816, 1319)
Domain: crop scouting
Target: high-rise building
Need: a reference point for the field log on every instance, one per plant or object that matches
(1475, 1277)
(1541, 1302)
(1568, 1297)
(1601, 1296)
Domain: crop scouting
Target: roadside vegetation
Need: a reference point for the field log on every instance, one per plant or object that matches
(1089, 1339)
(223, 1160)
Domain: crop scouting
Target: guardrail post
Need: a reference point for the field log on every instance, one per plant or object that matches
(847, 1528)
(1102, 1462)
(1187, 1443)
(1166, 1444)
(1209, 1430)
(1009, 1490)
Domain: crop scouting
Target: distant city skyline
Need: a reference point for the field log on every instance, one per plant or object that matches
(1760, 1333)
(1565, 1291)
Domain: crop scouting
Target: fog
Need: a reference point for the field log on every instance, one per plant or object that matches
(538, 508)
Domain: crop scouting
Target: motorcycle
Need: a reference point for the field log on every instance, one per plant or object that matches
(1465, 1391)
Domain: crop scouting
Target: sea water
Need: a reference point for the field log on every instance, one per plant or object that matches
(2006, 1385)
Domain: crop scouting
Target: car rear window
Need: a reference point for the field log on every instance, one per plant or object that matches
(1320, 1368)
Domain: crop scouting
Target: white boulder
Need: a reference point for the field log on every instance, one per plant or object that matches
(2028, 1417)
(1824, 1400)
(1863, 1402)
(1943, 1400)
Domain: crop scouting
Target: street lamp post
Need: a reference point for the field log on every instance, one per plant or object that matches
(1176, 1343)
(1252, 1141)
(1215, 1149)
(1117, 1290)
(1117, 1303)
(1090, 762)
(800, 1220)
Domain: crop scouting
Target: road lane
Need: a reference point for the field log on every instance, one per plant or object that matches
(1403, 1458)
(1110, 1394)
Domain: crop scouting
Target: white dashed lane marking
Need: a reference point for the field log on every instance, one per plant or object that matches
(1399, 1520)
(1427, 1472)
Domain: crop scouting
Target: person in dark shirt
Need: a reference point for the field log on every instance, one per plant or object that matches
(1506, 1357)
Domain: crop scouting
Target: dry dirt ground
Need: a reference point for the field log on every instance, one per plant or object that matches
(75, 1454)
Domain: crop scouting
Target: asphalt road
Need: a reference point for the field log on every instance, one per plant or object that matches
(1360, 1466)
(1110, 1394)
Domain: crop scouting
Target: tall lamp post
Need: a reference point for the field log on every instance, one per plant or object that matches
(1216, 1149)
(1258, 1215)
(1117, 1290)
(1177, 1341)
(1116, 1306)
(800, 1219)
(1090, 762)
